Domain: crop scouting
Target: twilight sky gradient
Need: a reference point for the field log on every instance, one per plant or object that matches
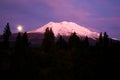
(97, 15)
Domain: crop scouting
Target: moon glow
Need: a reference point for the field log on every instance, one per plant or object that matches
(20, 28)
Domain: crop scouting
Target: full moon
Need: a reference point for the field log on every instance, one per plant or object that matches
(20, 28)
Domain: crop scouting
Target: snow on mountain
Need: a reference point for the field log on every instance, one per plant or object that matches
(66, 28)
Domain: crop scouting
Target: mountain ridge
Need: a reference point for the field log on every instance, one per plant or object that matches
(65, 28)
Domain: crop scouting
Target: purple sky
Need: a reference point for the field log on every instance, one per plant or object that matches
(97, 15)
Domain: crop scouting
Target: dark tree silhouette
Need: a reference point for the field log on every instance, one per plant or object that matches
(106, 39)
(73, 40)
(21, 57)
(100, 42)
(86, 41)
(61, 43)
(22, 41)
(25, 40)
(49, 40)
(6, 35)
(18, 43)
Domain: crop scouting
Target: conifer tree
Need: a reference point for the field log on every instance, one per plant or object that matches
(25, 40)
(86, 41)
(51, 37)
(19, 41)
(6, 35)
(106, 39)
(100, 42)
(61, 43)
(74, 40)
(48, 41)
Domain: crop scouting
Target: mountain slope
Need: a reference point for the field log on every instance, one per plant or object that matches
(66, 28)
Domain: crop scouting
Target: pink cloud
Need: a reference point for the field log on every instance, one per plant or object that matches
(111, 20)
(107, 4)
(58, 4)
(79, 15)
(65, 9)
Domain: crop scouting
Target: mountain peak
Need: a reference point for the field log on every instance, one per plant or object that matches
(64, 22)
(66, 28)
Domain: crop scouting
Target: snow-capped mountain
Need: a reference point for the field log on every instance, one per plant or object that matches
(66, 28)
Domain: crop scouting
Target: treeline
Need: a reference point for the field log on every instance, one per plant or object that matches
(49, 41)
(74, 59)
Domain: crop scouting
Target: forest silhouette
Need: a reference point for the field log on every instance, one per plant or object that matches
(74, 59)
